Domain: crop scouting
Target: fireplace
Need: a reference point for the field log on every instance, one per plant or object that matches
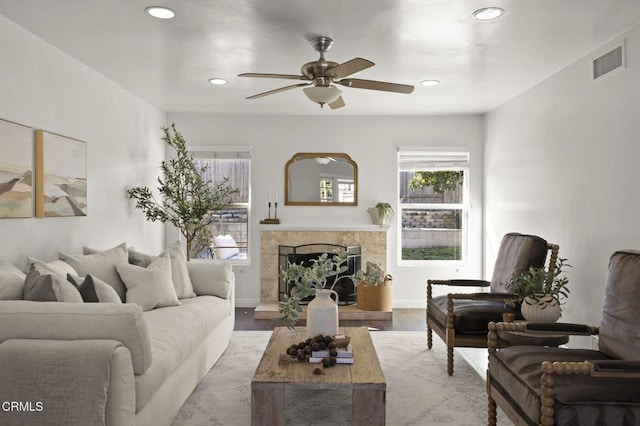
(306, 253)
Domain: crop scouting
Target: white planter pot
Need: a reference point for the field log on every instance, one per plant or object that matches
(547, 309)
(322, 314)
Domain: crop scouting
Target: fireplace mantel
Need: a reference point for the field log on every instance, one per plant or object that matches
(340, 228)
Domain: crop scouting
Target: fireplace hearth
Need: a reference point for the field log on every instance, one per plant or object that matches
(304, 254)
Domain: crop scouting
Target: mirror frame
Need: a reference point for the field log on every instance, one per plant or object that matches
(304, 155)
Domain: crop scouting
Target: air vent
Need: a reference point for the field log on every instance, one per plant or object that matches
(611, 61)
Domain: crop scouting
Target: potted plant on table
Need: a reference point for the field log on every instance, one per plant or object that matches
(381, 214)
(322, 312)
(541, 292)
(374, 288)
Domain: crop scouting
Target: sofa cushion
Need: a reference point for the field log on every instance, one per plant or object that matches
(149, 287)
(210, 277)
(175, 332)
(57, 266)
(179, 273)
(11, 281)
(22, 319)
(93, 289)
(102, 265)
(41, 286)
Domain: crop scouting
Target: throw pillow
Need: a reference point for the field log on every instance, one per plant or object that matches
(101, 264)
(57, 266)
(225, 247)
(149, 287)
(41, 286)
(179, 272)
(93, 289)
(140, 259)
(212, 277)
(11, 281)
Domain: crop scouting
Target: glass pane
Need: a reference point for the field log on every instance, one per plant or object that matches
(232, 221)
(431, 234)
(237, 170)
(444, 187)
(345, 191)
(326, 190)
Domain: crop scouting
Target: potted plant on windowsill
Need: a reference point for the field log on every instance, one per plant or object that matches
(541, 292)
(374, 288)
(381, 214)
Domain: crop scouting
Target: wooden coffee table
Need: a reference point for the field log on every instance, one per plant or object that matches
(364, 377)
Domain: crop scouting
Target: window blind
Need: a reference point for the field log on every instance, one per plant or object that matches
(416, 160)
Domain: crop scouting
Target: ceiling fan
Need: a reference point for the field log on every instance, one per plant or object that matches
(322, 75)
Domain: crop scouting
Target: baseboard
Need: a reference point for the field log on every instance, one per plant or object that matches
(409, 304)
(247, 303)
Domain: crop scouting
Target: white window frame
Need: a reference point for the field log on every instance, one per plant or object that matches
(433, 160)
(211, 152)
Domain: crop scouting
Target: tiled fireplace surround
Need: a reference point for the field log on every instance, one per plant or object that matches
(372, 239)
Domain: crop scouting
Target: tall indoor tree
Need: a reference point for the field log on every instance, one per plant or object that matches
(188, 202)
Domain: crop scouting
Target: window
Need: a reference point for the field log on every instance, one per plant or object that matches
(433, 193)
(230, 227)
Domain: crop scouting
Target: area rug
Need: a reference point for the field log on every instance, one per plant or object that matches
(419, 391)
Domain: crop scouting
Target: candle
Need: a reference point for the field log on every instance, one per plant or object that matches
(270, 193)
(276, 196)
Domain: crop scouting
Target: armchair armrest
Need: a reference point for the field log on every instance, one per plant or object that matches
(561, 328)
(614, 368)
(485, 296)
(460, 283)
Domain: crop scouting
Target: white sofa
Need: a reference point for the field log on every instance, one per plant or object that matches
(112, 364)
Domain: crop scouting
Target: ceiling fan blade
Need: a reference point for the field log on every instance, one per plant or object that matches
(286, 76)
(282, 89)
(349, 67)
(375, 85)
(338, 103)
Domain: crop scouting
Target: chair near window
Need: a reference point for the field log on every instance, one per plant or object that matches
(543, 385)
(461, 319)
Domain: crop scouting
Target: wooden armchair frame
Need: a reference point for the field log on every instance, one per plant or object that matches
(447, 331)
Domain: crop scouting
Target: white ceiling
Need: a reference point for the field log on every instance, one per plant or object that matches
(481, 64)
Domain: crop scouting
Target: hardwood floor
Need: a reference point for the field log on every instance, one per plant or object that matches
(403, 320)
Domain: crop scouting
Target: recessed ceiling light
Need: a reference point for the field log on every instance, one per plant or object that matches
(488, 13)
(428, 83)
(218, 81)
(160, 12)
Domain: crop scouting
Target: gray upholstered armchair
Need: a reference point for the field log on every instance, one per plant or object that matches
(542, 385)
(461, 319)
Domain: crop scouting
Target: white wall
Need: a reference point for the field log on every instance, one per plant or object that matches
(372, 143)
(44, 88)
(561, 161)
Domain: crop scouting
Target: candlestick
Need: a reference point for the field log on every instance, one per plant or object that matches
(269, 210)
(276, 210)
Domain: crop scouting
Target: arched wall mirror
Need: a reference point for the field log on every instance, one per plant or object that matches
(321, 179)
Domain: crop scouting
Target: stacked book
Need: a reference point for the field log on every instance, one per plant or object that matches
(343, 355)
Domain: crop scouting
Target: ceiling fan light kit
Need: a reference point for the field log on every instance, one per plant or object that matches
(321, 75)
(322, 95)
